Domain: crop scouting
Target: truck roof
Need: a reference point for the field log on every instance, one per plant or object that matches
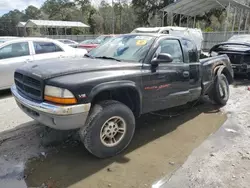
(156, 35)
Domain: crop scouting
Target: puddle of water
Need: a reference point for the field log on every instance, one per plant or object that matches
(11, 174)
(12, 183)
(159, 147)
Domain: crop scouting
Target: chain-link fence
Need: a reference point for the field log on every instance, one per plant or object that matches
(77, 38)
(210, 38)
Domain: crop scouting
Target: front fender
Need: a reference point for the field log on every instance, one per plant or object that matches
(107, 86)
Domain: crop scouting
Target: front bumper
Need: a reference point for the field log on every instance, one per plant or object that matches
(54, 116)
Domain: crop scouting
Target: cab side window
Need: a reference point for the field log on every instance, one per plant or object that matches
(15, 50)
(172, 47)
(192, 51)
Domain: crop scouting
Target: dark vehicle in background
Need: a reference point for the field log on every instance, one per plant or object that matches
(68, 42)
(237, 48)
(130, 75)
(96, 42)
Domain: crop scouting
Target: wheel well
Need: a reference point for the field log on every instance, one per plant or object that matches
(228, 75)
(226, 72)
(128, 96)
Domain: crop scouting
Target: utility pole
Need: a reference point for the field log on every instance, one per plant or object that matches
(113, 17)
(120, 16)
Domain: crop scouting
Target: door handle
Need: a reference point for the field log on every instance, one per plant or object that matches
(186, 74)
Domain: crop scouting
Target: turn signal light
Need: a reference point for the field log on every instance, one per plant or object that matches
(59, 100)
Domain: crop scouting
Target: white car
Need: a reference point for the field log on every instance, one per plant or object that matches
(19, 51)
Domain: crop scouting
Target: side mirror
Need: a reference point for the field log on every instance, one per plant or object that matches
(162, 58)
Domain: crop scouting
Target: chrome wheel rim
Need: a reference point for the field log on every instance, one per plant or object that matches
(113, 131)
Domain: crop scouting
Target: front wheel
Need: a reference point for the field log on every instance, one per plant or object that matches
(109, 129)
(220, 90)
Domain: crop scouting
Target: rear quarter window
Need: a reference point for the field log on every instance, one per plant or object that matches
(46, 47)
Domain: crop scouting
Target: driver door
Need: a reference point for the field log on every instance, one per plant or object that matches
(168, 84)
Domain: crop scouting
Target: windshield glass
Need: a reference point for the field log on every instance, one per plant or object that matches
(124, 48)
(101, 39)
(86, 42)
(240, 38)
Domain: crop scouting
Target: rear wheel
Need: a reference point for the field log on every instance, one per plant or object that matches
(109, 129)
(220, 90)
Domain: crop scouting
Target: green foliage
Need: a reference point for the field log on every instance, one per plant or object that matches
(127, 14)
(145, 9)
(32, 12)
(58, 9)
(9, 21)
(208, 29)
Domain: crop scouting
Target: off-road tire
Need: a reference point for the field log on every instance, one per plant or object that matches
(99, 114)
(215, 93)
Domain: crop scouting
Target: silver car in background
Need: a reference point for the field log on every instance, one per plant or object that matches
(68, 42)
(16, 52)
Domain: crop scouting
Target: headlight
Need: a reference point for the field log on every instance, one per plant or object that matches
(59, 95)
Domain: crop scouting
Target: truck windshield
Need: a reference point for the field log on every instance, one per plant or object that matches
(124, 48)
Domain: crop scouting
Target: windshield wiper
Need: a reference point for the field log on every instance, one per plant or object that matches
(105, 57)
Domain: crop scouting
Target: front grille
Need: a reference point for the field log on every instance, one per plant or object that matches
(235, 58)
(247, 59)
(28, 86)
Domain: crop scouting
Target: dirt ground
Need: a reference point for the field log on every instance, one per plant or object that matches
(223, 160)
(161, 145)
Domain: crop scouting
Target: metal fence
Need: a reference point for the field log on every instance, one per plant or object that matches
(77, 38)
(210, 38)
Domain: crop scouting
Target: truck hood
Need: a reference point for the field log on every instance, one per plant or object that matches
(52, 68)
(231, 47)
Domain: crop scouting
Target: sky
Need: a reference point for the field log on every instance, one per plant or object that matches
(7, 5)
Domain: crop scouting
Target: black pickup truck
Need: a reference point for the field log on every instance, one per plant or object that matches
(102, 93)
(237, 48)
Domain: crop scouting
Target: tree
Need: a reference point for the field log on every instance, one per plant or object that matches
(9, 21)
(105, 11)
(128, 22)
(96, 23)
(146, 9)
(32, 12)
(85, 8)
(58, 9)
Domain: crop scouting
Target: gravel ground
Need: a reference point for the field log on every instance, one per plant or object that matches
(223, 160)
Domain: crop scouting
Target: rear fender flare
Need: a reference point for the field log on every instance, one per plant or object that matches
(223, 70)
